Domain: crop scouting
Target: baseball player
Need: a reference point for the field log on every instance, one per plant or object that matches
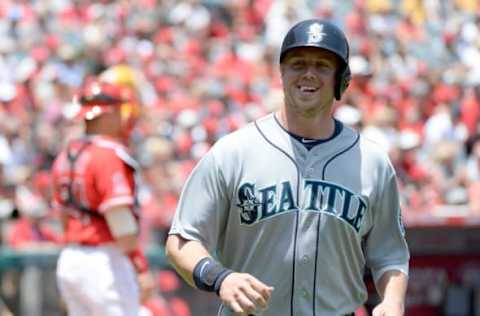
(282, 216)
(100, 270)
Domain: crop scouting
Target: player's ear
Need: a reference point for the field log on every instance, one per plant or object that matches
(282, 69)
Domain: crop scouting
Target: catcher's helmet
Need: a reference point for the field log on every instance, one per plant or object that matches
(96, 98)
(325, 35)
(127, 78)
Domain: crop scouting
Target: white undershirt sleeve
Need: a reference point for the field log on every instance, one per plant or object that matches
(121, 222)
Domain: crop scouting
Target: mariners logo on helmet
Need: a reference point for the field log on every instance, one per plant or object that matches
(315, 33)
(248, 203)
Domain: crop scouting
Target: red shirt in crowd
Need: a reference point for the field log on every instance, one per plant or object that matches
(26, 231)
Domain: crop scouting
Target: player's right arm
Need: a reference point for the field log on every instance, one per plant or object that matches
(201, 215)
(241, 292)
(184, 255)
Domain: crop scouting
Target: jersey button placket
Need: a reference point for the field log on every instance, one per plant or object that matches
(309, 172)
(305, 293)
(305, 259)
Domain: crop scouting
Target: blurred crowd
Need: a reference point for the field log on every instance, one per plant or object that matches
(209, 67)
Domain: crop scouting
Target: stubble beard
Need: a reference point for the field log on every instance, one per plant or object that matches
(311, 111)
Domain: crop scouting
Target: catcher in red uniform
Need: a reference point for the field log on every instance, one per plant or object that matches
(101, 270)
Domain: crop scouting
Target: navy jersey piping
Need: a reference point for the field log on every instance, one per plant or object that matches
(338, 128)
(296, 213)
(319, 219)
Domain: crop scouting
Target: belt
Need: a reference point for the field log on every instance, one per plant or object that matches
(87, 244)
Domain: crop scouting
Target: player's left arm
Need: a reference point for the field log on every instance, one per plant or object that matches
(115, 180)
(125, 229)
(392, 287)
(387, 249)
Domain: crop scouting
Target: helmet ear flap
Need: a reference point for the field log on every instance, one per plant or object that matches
(342, 81)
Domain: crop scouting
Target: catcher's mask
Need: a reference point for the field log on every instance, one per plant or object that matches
(96, 98)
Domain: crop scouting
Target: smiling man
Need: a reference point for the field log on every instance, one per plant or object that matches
(295, 206)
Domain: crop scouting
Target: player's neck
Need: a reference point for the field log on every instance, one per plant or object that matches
(315, 127)
(102, 126)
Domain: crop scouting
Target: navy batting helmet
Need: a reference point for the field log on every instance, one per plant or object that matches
(325, 35)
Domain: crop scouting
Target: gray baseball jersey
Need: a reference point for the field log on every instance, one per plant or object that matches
(304, 221)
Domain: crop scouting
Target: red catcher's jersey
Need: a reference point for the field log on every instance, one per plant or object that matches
(103, 177)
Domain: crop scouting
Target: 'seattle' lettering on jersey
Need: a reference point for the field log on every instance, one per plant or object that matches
(325, 197)
(304, 221)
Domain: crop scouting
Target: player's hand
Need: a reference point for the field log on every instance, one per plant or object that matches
(146, 285)
(387, 308)
(244, 294)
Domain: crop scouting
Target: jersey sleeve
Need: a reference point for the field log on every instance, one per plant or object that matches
(115, 183)
(386, 246)
(203, 204)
